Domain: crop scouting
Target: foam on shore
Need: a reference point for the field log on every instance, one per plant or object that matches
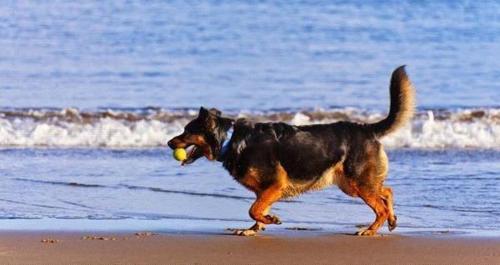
(152, 127)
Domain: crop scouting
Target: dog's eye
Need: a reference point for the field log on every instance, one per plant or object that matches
(192, 130)
(189, 127)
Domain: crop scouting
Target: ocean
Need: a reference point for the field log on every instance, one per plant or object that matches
(90, 92)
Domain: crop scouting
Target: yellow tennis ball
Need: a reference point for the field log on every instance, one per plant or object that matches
(180, 154)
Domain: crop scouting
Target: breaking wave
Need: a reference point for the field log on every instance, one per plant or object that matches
(152, 127)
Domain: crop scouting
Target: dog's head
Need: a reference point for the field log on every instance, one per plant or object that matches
(203, 136)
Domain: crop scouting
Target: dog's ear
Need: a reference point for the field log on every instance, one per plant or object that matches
(209, 117)
(203, 113)
(215, 111)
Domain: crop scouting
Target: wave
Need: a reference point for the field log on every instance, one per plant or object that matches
(152, 127)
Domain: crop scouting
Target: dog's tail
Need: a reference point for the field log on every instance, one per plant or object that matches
(402, 104)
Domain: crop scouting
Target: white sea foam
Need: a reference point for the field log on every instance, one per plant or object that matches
(429, 133)
(431, 129)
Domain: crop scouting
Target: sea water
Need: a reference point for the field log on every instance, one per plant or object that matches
(90, 92)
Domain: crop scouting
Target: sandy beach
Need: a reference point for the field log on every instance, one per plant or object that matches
(151, 248)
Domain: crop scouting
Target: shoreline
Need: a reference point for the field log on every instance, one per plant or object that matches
(108, 247)
(180, 226)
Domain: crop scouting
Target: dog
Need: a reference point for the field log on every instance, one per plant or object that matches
(278, 160)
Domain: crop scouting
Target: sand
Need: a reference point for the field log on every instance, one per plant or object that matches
(147, 248)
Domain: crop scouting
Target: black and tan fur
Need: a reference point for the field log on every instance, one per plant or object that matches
(277, 160)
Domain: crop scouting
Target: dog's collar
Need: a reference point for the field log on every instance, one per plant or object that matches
(225, 145)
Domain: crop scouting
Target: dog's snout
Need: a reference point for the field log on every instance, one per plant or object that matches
(172, 144)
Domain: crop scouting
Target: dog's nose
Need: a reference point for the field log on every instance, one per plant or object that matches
(171, 144)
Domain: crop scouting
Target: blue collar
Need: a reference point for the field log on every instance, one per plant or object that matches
(225, 144)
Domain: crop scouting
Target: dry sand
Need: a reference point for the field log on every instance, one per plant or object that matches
(146, 248)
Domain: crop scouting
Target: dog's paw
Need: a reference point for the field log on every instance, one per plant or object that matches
(258, 227)
(393, 223)
(273, 219)
(244, 232)
(366, 232)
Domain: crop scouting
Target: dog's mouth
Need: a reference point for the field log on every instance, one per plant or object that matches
(193, 153)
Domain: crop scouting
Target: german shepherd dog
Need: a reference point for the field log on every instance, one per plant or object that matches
(277, 160)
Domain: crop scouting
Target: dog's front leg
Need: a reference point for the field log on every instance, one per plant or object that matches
(260, 211)
(260, 208)
(266, 196)
(252, 231)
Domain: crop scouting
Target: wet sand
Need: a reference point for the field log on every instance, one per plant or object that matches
(148, 248)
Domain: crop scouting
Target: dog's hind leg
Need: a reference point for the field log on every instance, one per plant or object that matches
(374, 194)
(379, 206)
(387, 197)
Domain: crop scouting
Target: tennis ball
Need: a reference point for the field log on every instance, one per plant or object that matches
(180, 154)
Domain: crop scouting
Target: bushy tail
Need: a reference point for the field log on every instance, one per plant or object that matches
(402, 104)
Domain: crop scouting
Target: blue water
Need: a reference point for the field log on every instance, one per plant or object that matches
(271, 57)
(441, 191)
(245, 54)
